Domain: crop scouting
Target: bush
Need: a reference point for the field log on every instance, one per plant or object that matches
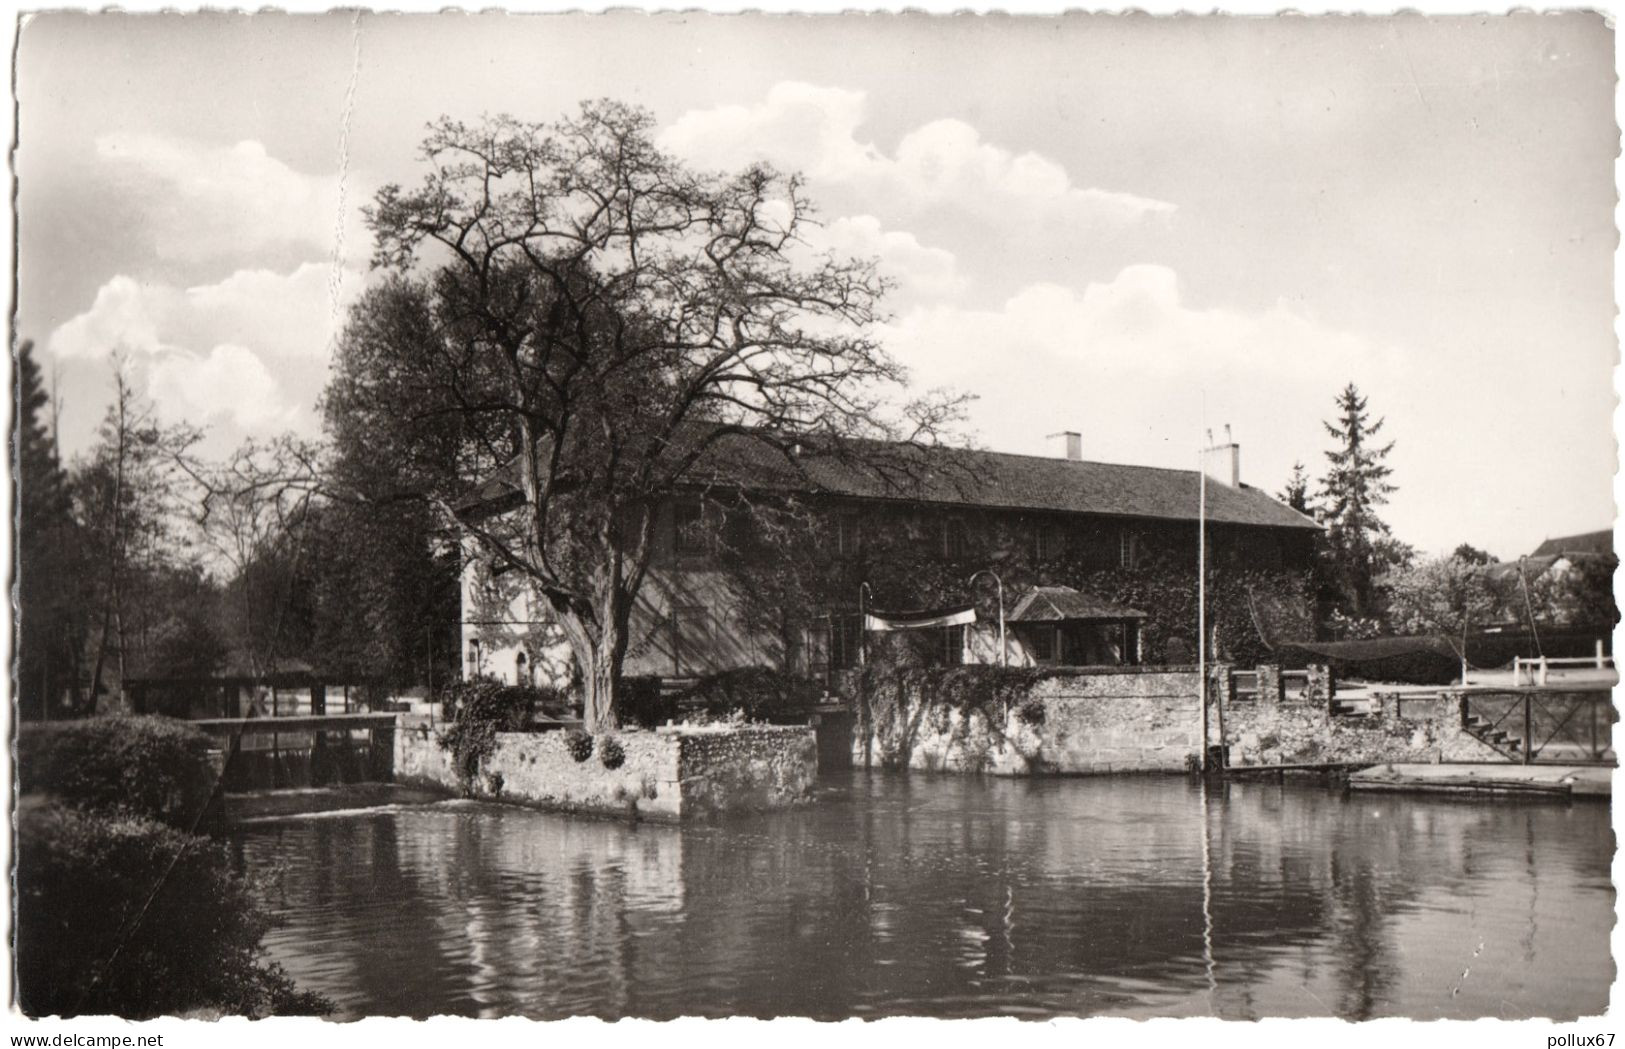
(642, 703)
(147, 766)
(612, 754)
(480, 709)
(579, 744)
(489, 696)
(761, 693)
(124, 915)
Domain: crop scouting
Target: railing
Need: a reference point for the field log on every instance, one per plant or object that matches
(1535, 725)
(1540, 668)
(304, 750)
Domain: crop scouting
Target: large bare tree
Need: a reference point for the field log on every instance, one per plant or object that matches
(575, 308)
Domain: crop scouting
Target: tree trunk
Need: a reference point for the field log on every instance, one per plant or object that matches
(600, 652)
(598, 685)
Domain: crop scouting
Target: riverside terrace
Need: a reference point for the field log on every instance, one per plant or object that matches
(1118, 541)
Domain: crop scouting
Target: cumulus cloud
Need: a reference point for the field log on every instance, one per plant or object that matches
(291, 315)
(242, 349)
(918, 270)
(1138, 318)
(210, 202)
(942, 164)
(1126, 361)
(229, 383)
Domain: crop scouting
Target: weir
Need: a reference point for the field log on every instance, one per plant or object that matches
(304, 751)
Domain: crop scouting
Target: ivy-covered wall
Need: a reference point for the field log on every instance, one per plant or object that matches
(736, 584)
(1018, 722)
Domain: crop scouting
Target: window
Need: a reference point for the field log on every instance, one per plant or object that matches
(521, 669)
(848, 537)
(1128, 548)
(953, 538)
(951, 646)
(688, 526)
(690, 638)
(1045, 541)
(845, 640)
(1041, 640)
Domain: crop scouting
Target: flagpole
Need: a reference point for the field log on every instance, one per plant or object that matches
(1201, 585)
(1004, 649)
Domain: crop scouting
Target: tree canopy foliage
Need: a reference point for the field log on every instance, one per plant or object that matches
(576, 308)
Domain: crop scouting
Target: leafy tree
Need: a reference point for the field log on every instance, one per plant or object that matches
(1472, 555)
(579, 308)
(1355, 485)
(1296, 492)
(50, 628)
(129, 496)
(382, 593)
(1446, 596)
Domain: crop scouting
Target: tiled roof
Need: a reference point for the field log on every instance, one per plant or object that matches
(1054, 604)
(990, 479)
(961, 477)
(1586, 543)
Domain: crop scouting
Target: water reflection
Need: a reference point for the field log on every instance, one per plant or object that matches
(958, 896)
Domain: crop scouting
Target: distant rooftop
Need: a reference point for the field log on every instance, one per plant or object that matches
(1585, 543)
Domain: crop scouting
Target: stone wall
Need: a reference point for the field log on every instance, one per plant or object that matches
(1301, 729)
(755, 768)
(1083, 721)
(1148, 719)
(665, 775)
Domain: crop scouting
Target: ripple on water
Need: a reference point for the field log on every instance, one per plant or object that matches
(956, 896)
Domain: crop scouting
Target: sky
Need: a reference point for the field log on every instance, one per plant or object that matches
(1133, 228)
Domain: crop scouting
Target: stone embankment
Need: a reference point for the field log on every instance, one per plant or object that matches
(669, 774)
(1091, 720)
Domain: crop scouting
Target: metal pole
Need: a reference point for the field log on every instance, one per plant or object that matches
(863, 628)
(1201, 588)
(1004, 648)
(865, 714)
(1528, 730)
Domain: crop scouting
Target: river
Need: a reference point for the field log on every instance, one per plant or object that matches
(947, 896)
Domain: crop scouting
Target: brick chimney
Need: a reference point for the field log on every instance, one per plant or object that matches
(1222, 462)
(1068, 444)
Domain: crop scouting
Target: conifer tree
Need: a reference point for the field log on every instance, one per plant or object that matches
(1296, 492)
(1355, 485)
(49, 633)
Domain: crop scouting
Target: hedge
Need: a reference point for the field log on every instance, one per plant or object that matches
(122, 915)
(147, 766)
(757, 693)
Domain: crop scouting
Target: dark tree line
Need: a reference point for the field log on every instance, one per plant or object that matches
(141, 557)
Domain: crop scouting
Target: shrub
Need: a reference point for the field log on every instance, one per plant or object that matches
(487, 696)
(147, 766)
(761, 693)
(480, 709)
(612, 754)
(641, 702)
(121, 914)
(579, 744)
